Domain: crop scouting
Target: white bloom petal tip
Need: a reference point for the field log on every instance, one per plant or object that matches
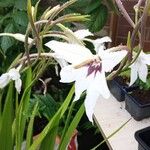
(72, 53)
(13, 74)
(81, 34)
(18, 84)
(139, 68)
(21, 37)
(103, 40)
(4, 80)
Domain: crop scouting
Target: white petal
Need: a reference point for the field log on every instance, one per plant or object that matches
(103, 40)
(67, 74)
(18, 84)
(100, 85)
(61, 62)
(147, 59)
(90, 102)
(21, 37)
(98, 43)
(143, 72)
(14, 74)
(81, 34)
(134, 73)
(17, 36)
(111, 59)
(82, 83)
(72, 53)
(4, 80)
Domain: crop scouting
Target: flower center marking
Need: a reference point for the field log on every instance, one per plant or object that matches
(94, 67)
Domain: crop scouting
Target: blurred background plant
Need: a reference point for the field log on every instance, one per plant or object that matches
(13, 19)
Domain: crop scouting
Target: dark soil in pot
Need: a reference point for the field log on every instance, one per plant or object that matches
(142, 96)
(137, 104)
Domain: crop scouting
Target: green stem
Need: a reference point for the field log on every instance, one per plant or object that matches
(68, 119)
(116, 131)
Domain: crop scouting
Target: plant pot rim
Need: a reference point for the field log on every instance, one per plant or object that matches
(137, 101)
(141, 142)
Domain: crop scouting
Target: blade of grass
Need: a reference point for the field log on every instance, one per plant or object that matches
(49, 140)
(72, 127)
(30, 126)
(6, 141)
(107, 138)
(51, 124)
(21, 114)
(67, 120)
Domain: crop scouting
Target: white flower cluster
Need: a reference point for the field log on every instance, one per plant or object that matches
(12, 74)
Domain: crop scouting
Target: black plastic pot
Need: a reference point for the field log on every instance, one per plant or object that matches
(137, 110)
(117, 90)
(143, 138)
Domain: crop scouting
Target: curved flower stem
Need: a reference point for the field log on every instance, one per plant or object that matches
(122, 64)
(143, 22)
(136, 8)
(116, 72)
(35, 55)
(58, 10)
(124, 13)
(134, 33)
(26, 44)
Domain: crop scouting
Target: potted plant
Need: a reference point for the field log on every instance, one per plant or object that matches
(118, 87)
(137, 102)
(143, 138)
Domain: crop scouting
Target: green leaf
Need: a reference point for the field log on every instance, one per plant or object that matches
(21, 4)
(92, 6)
(7, 42)
(49, 140)
(20, 18)
(30, 126)
(6, 142)
(98, 18)
(22, 110)
(53, 121)
(6, 3)
(65, 140)
(113, 6)
(4, 17)
(47, 105)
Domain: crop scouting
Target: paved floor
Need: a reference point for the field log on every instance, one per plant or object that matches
(110, 115)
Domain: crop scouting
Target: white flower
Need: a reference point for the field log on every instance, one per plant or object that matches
(12, 74)
(139, 68)
(90, 77)
(81, 34)
(98, 43)
(17, 36)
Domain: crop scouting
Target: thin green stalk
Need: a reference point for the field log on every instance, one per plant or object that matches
(68, 119)
(111, 135)
(1, 95)
(30, 126)
(71, 128)
(16, 103)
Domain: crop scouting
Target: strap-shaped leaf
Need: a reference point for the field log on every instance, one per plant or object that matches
(6, 140)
